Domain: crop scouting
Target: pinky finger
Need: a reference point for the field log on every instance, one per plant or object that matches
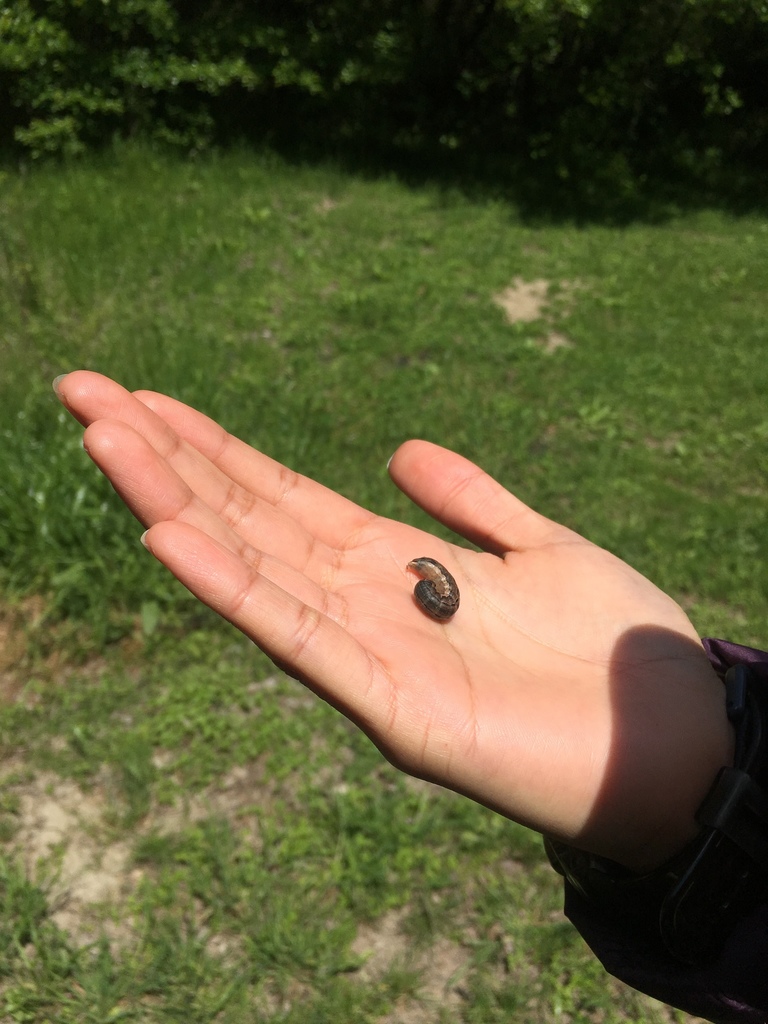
(299, 638)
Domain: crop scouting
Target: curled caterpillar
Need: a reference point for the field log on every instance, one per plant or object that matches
(437, 592)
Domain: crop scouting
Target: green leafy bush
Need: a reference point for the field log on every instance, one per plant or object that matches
(77, 71)
(571, 84)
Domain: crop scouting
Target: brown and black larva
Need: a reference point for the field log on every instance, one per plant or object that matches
(437, 592)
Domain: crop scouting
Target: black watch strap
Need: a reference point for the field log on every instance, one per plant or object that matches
(694, 900)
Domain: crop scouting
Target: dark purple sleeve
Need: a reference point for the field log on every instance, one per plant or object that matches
(733, 990)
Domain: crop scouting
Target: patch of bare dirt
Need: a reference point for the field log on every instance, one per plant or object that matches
(59, 841)
(555, 340)
(529, 301)
(523, 301)
(380, 945)
(64, 841)
(441, 967)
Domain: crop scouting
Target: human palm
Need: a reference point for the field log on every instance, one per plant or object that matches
(567, 693)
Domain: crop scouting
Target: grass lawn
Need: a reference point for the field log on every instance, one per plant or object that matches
(189, 835)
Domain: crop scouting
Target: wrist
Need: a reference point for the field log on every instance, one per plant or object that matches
(693, 901)
(679, 827)
(673, 748)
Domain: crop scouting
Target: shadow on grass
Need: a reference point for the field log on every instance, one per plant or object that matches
(581, 185)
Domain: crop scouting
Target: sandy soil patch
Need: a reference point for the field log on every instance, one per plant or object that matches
(529, 301)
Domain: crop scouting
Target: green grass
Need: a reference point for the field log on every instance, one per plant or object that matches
(326, 318)
(263, 834)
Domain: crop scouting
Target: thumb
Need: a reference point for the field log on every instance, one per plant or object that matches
(466, 499)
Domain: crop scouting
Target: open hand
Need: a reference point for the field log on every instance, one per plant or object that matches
(568, 692)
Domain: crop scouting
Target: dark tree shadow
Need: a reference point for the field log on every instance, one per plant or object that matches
(598, 187)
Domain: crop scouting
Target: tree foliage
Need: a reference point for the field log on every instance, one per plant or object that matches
(559, 81)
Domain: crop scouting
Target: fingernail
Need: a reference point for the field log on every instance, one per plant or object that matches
(58, 381)
(143, 539)
(389, 460)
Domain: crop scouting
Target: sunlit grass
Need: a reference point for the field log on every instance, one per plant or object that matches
(326, 318)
